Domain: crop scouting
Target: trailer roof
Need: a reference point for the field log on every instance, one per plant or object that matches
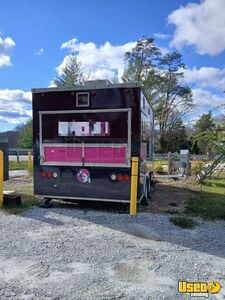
(86, 86)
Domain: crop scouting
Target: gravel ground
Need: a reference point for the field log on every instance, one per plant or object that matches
(64, 253)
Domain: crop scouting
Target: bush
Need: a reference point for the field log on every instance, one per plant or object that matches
(158, 168)
(196, 166)
(22, 165)
(183, 222)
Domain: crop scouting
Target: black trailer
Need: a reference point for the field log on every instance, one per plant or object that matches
(84, 139)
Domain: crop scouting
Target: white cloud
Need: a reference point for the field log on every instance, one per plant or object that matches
(5, 47)
(201, 25)
(15, 106)
(207, 100)
(161, 36)
(39, 52)
(52, 84)
(102, 62)
(206, 77)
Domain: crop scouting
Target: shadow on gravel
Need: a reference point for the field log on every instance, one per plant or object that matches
(207, 237)
(45, 219)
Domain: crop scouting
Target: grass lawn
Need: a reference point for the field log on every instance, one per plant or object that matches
(22, 165)
(183, 222)
(208, 199)
(22, 186)
(161, 161)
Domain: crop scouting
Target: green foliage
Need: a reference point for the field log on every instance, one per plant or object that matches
(158, 167)
(71, 73)
(175, 138)
(205, 133)
(196, 167)
(204, 123)
(25, 135)
(140, 66)
(209, 202)
(160, 75)
(183, 222)
(174, 98)
(28, 202)
(22, 165)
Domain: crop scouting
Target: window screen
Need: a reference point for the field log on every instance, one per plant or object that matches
(82, 99)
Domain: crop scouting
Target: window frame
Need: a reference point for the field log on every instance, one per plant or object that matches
(82, 105)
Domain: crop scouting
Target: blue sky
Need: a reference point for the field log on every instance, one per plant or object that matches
(37, 36)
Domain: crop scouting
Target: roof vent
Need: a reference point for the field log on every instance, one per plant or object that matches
(97, 83)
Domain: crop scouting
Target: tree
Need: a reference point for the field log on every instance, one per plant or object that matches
(204, 133)
(176, 138)
(25, 135)
(140, 65)
(71, 73)
(161, 77)
(174, 98)
(205, 122)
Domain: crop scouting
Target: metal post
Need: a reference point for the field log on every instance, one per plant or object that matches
(169, 163)
(17, 156)
(1, 177)
(134, 184)
(29, 160)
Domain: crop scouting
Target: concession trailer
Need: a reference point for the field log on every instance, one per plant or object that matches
(84, 138)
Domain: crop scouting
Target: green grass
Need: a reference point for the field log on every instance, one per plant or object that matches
(161, 161)
(183, 222)
(22, 165)
(28, 202)
(23, 187)
(209, 201)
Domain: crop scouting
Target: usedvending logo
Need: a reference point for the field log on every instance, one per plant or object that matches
(83, 175)
(199, 289)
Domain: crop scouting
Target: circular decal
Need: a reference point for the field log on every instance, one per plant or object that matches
(83, 176)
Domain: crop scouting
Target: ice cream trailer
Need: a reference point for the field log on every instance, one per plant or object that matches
(84, 138)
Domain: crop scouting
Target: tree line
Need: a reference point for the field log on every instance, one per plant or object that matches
(162, 78)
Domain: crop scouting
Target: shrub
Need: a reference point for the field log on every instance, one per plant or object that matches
(196, 167)
(183, 222)
(158, 167)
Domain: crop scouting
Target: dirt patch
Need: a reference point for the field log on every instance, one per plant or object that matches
(169, 196)
(21, 184)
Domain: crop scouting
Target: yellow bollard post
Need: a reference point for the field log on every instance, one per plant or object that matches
(29, 160)
(134, 185)
(1, 177)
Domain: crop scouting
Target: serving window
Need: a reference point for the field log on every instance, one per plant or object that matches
(87, 138)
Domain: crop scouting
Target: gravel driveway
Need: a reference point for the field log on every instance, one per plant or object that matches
(64, 253)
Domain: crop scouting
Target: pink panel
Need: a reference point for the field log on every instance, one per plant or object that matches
(105, 154)
(63, 154)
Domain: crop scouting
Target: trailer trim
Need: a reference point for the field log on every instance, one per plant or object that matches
(88, 199)
(52, 112)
